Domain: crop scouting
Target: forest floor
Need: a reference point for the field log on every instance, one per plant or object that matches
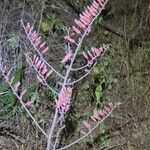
(123, 75)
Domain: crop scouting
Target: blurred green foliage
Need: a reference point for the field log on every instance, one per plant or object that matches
(104, 76)
(13, 41)
(7, 99)
(54, 23)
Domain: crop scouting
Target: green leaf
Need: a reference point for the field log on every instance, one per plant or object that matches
(96, 70)
(18, 75)
(34, 96)
(109, 86)
(98, 93)
(13, 41)
(7, 101)
(44, 26)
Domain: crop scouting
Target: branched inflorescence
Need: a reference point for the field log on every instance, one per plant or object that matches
(74, 39)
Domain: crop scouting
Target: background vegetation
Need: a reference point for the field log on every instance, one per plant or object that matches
(123, 74)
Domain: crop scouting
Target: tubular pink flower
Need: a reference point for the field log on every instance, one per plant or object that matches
(41, 67)
(17, 86)
(49, 73)
(34, 38)
(45, 50)
(92, 55)
(23, 93)
(63, 102)
(67, 57)
(69, 39)
(86, 124)
(77, 31)
(39, 78)
(83, 24)
(99, 115)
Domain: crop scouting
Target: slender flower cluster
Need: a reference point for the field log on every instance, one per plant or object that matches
(67, 57)
(98, 116)
(35, 38)
(63, 102)
(43, 71)
(83, 24)
(93, 54)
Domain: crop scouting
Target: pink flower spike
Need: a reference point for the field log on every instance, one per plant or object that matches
(87, 125)
(78, 23)
(82, 25)
(85, 56)
(27, 27)
(33, 35)
(107, 109)
(34, 38)
(89, 53)
(23, 93)
(90, 9)
(17, 86)
(95, 4)
(76, 30)
(38, 64)
(42, 45)
(105, 112)
(44, 70)
(110, 105)
(36, 60)
(63, 102)
(30, 103)
(29, 61)
(30, 31)
(84, 133)
(88, 14)
(37, 43)
(93, 50)
(42, 65)
(67, 57)
(95, 114)
(70, 39)
(89, 29)
(48, 73)
(84, 18)
(101, 114)
(92, 12)
(97, 52)
(93, 9)
(38, 39)
(39, 79)
(34, 57)
(94, 119)
(45, 50)
(101, 3)
(84, 22)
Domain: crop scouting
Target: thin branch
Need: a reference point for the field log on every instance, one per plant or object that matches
(88, 72)
(78, 140)
(23, 105)
(89, 62)
(67, 75)
(44, 81)
(40, 53)
(58, 133)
